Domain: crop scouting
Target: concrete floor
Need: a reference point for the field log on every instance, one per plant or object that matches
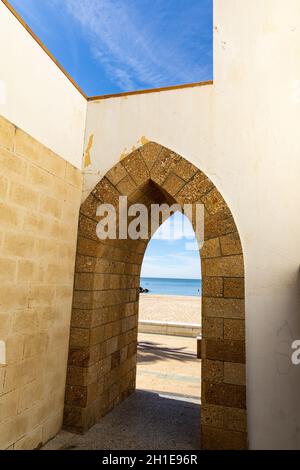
(164, 412)
(144, 421)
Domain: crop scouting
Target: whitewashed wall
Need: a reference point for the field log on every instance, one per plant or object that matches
(179, 119)
(35, 95)
(243, 132)
(256, 162)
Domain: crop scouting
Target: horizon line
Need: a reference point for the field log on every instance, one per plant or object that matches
(175, 278)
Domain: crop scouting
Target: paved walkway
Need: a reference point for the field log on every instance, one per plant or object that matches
(169, 364)
(164, 413)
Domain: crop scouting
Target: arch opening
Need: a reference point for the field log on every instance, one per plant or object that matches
(168, 369)
(103, 338)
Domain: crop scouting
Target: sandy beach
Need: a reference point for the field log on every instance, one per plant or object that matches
(170, 308)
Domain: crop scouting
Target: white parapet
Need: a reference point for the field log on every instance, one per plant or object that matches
(191, 330)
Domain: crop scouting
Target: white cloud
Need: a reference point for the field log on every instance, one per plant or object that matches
(180, 265)
(175, 228)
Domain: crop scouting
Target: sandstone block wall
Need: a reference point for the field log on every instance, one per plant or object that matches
(39, 204)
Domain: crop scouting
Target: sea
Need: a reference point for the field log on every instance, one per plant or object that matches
(166, 286)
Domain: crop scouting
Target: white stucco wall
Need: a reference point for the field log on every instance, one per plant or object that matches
(243, 132)
(35, 95)
(179, 119)
(256, 163)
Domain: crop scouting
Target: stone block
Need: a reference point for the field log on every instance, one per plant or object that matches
(173, 184)
(52, 425)
(224, 350)
(116, 174)
(96, 335)
(211, 249)
(235, 419)
(195, 189)
(25, 320)
(11, 166)
(41, 295)
(4, 184)
(13, 430)
(13, 297)
(234, 288)
(9, 405)
(164, 165)
(7, 133)
(212, 287)
(28, 147)
(106, 192)
(10, 216)
(32, 441)
(234, 373)
(17, 244)
(50, 206)
(18, 375)
(126, 186)
(212, 371)
(220, 439)
(223, 417)
(31, 394)
(35, 344)
(234, 329)
(223, 308)
(212, 327)
(231, 244)
(185, 169)
(79, 337)
(212, 415)
(5, 324)
(227, 266)
(150, 153)
(224, 394)
(214, 203)
(8, 268)
(216, 225)
(136, 167)
(73, 176)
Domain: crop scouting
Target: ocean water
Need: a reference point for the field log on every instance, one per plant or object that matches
(165, 286)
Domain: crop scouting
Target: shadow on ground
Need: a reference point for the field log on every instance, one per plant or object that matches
(149, 351)
(144, 421)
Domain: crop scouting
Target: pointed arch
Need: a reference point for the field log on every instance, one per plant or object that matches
(103, 339)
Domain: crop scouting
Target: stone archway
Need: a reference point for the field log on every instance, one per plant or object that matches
(103, 339)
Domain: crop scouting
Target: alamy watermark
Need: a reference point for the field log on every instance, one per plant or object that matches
(140, 222)
(296, 354)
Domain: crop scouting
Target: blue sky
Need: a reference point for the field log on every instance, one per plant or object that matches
(110, 46)
(173, 252)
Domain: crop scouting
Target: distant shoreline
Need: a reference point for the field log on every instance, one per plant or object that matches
(177, 297)
(171, 286)
(174, 278)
